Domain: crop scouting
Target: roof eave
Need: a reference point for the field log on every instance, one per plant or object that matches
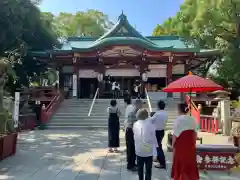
(207, 53)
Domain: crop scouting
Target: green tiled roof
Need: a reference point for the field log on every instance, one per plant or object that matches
(124, 34)
(174, 41)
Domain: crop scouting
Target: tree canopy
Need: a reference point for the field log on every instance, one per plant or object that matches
(211, 25)
(21, 23)
(22, 28)
(89, 23)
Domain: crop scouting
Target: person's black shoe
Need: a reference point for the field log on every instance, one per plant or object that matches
(133, 169)
(159, 166)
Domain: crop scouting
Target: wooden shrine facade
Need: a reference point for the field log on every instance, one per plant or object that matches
(122, 53)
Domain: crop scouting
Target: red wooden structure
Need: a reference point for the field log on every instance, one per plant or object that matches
(207, 123)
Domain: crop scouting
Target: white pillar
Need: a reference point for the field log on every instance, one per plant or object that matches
(57, 80)
(16, 109)
(74, 85)
(225, 116)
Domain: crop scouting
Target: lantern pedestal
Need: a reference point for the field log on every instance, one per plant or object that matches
(225, 116)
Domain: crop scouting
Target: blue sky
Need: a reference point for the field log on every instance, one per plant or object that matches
(144, 14)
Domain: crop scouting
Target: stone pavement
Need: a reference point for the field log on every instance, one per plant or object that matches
(79, 155)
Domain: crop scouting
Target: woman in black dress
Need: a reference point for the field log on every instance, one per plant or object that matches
(113, 126)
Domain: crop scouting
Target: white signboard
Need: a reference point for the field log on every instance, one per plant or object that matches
(16, 109)
(74, 85)
(87, 73)
(176, 95)
(178, 69)
(157, 71)
(122, 72)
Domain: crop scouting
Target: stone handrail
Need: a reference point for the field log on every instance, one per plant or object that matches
(94, 99)
(148, 101)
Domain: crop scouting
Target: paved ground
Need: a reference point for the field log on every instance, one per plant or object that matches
(64, 155)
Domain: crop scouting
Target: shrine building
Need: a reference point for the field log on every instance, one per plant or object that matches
(123, 53)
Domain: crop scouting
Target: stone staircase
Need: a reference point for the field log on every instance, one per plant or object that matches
(73, 114)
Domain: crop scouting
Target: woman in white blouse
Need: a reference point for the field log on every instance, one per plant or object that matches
(145, 140)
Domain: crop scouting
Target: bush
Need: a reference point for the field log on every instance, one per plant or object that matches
(235, 104)
(6, 123)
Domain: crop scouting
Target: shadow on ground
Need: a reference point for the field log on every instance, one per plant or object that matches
(79, 155)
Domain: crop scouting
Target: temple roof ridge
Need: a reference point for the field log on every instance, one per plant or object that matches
(123, 29)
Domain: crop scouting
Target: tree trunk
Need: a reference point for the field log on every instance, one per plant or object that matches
(2, 84)
(1, 99)
(238, 30)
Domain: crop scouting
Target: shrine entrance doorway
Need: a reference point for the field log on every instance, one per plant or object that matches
(126, 85)
(124, 77)
(156, 84)
(87, 87)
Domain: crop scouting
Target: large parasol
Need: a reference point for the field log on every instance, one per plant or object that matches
(192, 83)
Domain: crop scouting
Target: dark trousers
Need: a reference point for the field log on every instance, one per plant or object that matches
(131, 156)
(38, 114)
(138, 95)
(116, 94)
(160, 153)
(147, 161)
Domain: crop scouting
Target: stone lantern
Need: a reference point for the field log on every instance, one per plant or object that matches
(224, 110)
(220, 94)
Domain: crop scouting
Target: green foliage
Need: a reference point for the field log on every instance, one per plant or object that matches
(89, 23)
(6, 122)
(23, 28)
(235, 104)
(21, 23)
(211, 25)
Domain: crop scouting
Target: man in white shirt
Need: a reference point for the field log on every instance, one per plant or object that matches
(129, 108)
(137, 86)
(145, 140)
(159, 120)
(115, 90)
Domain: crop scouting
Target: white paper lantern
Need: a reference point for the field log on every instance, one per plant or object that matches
(144, 77)
(100, 77)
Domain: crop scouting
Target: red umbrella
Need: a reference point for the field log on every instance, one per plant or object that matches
(192, 83)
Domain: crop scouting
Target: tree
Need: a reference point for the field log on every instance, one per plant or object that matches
(21, 22)
(89, 23)
(23, 28)
(211, 25)
(3, 71)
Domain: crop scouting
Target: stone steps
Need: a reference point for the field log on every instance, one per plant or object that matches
(73, 114)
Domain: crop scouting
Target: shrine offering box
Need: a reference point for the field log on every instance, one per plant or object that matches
(216, 157)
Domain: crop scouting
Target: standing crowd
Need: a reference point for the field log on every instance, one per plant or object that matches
(144, 133)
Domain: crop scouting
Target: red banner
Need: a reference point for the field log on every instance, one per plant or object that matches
(216, 160)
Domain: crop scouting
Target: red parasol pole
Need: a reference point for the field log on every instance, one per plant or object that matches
(190, 99)
(190, 96)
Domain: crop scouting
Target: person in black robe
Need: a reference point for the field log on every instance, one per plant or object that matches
(37, 110)
(113, 126)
